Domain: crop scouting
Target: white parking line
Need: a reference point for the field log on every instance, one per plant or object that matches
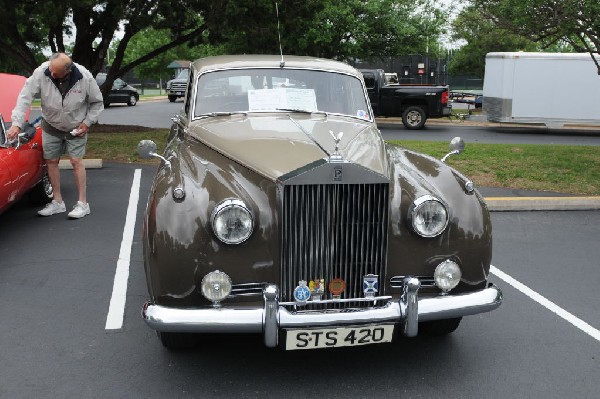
(116, 309)
(577, 322)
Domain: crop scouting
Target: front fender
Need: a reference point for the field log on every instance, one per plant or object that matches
(467, 239)
(180, 247)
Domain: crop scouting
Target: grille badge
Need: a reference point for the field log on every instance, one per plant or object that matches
(301, 293)
(337, 286)
(317, 288)
(370, 285)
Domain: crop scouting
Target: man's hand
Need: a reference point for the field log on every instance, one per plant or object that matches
(83, 129)
(13, 132)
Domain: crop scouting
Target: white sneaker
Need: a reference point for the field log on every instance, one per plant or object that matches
(52, 208)
(80, 210)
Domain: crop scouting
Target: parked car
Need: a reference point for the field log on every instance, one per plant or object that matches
(176, 87)
(278, 209)
(120, 93)
(22, 167)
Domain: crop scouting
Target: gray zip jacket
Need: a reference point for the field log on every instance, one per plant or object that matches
(82, 103)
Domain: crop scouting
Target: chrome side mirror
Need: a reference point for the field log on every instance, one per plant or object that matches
(146, 149)
(457, 145)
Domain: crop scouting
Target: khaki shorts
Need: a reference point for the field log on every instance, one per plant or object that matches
(56, 145)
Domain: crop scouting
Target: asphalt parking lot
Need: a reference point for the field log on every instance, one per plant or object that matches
(58, 280)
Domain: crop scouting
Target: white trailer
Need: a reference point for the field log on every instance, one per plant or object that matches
(554, 89)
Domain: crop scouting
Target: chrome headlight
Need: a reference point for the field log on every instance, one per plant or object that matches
(232, 221)
(447, 275)
(428, 216)
(216, 286)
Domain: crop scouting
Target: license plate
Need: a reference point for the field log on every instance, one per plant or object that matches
(338, 337)
(179, 93)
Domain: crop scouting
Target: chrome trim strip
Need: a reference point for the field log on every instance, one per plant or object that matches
(349, 300)
(250, 289)
(272, 317)
(398, 281)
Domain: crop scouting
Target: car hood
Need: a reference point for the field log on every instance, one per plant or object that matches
(11, 87)
(276, 145)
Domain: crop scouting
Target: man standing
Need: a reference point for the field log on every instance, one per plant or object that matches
(71, 103)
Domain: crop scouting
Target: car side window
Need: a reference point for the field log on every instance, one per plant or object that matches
(188, 102)
(369, 80)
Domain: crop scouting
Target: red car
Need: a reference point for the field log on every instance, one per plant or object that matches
(22, 167)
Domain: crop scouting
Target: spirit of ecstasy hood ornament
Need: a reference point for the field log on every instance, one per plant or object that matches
(336, 156)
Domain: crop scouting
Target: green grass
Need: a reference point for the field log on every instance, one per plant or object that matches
(545, 167)
(119, 143)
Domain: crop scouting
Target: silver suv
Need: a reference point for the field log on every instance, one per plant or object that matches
(176, 87)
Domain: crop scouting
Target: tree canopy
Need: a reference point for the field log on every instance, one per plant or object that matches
(342, 29)
(550, 22)
(29, 26)
(482, 37)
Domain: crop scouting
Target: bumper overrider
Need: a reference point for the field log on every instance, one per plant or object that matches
(408, 311)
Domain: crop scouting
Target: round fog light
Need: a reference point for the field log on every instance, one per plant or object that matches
(447, 275)
(216, 286)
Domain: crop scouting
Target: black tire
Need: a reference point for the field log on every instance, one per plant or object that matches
(132, 100)
(414, 117)
(176, 341)
(106, 105)
(42, 193)
(172, 98)
(439, 327)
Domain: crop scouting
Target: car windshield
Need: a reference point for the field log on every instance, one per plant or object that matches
(183, 74)
(2, 131)
(280, 89)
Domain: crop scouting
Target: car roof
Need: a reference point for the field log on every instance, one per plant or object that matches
(270, 61)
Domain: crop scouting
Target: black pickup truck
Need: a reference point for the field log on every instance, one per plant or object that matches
(414, 103)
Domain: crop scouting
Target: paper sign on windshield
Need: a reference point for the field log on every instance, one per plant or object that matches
(282, 98)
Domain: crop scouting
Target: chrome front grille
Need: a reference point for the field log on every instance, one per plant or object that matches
(333, 231)
(179, 86)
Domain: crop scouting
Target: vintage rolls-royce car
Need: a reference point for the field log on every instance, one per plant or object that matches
(278, 209)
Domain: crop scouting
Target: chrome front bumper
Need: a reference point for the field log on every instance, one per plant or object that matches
(408, 311)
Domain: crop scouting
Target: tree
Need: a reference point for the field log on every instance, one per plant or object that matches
(367, 29)
(482, 37)
(29, 25)
(150, 39)
(339, 29)
(550, 21)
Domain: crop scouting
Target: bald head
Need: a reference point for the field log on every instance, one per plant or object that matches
(60, 65)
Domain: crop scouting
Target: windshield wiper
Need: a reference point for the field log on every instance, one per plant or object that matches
(221, 113)
(302, 111)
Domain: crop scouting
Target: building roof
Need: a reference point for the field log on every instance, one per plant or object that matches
(179, 64)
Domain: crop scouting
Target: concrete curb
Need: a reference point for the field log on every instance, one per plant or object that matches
(88, 163)
(513, 204)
